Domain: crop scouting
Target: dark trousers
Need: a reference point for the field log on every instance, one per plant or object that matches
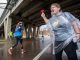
(18, 39)
(70, 50)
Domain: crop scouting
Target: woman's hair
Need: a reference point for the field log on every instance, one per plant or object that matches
(56, 4)
(20, 23)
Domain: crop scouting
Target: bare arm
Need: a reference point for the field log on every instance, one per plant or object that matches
(75, 26)
(76, 29)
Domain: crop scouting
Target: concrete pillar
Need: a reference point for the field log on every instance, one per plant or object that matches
(28, 32)
(37, 31)
(7, 26)
(34, 30)
(26, 29)
(31, 32)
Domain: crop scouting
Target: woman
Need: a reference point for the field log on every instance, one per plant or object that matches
(18, 36)
(63, 26)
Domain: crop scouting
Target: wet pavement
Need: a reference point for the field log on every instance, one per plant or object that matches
(32, 48)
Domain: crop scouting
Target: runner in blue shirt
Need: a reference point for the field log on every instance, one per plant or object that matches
(18, 36)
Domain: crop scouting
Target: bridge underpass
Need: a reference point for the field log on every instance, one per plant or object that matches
(29, 12)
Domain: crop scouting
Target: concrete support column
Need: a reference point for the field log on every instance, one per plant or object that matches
(31, 32)
(28, 32)
(34, 30)
(7, 26)
(25, 30)
(37, 31)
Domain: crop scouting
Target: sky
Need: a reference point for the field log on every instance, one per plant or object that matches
(3, 6)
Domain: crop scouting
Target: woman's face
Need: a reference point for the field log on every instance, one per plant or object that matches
(54, 9)
(20, 23)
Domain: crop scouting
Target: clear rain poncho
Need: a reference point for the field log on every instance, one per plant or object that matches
(61, 31)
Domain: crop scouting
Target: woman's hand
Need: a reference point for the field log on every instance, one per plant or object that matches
(43, 15)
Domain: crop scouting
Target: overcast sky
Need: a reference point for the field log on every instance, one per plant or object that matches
(2, 5)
